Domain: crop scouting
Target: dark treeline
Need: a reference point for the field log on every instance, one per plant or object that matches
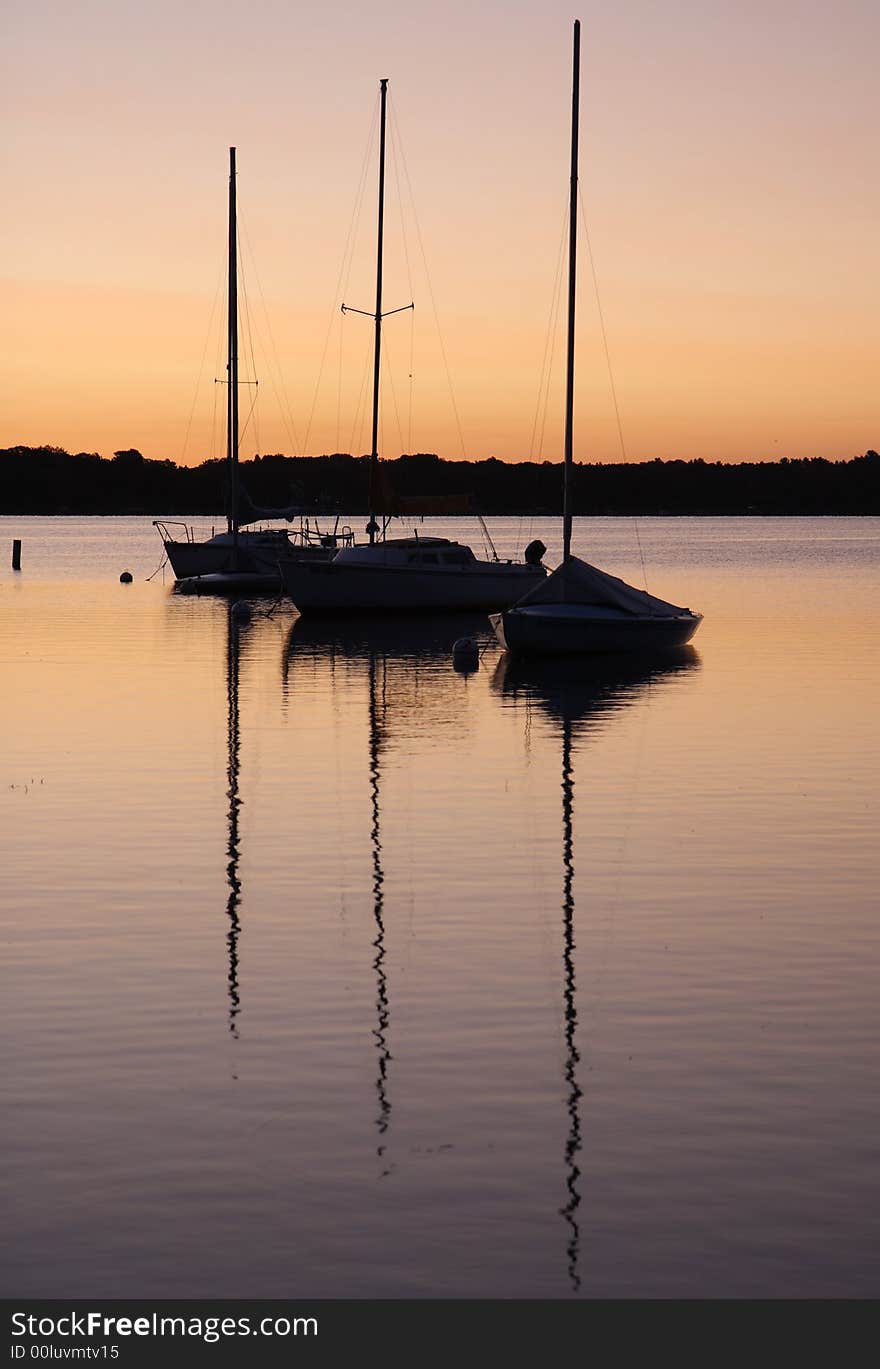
(49, 480)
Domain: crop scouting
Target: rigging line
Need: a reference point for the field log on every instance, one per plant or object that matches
(222, 337)
(357, 208)
(339, 381)
(359, 420)
(397, 154)
(389, 376)
(285, 408)
(542, 402)
(213, 447)
(253, 412)
(412, 352)
(245, 310)
(244, 427)
(220, 279)
(554, 337)
(396, 157)
(551, 322)
(434, 307)
(160, 566)
(356, 424)
(610, 371)
(488, 538)
(345, 268)
(380, 439)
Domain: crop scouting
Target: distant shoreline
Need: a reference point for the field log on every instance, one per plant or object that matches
(48, 481)
(220, 518)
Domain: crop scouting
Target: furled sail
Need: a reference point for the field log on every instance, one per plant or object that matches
(577, 582)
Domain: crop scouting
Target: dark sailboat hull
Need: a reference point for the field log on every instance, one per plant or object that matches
(342, 589)
(560, 630)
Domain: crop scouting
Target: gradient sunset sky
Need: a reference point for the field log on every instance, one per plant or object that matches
(729, 171)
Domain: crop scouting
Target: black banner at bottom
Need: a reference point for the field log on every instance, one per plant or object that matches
(108, 1332)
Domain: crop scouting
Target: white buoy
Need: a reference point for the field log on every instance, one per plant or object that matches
(466, 655)
(126, 577)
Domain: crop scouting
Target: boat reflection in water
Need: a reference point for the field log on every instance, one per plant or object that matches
(581, 694)
(427, 640)
(582, 691)
(371, 648)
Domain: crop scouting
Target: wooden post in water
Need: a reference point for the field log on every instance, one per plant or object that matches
(16, 553)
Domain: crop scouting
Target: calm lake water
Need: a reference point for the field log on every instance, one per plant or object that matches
(332, 972)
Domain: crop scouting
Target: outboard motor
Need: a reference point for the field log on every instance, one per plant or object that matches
(535, 552)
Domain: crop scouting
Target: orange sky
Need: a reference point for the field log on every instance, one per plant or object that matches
(728, 170)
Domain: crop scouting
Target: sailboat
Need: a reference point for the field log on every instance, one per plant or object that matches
(579, 608)
(408, 574)
(242, 558)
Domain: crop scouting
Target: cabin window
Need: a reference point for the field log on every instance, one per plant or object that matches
(429, 558)
(455, 558)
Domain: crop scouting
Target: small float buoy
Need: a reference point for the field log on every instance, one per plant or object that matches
(466, 655)
(241, 611)
(126, 577)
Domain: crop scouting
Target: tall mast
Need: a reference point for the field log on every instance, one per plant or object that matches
(377, 348)
(232, 365)
(572, 277)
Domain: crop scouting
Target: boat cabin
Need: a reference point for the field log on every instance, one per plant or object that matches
(410, 553)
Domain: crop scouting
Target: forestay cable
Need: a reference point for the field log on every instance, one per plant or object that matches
(610, 371)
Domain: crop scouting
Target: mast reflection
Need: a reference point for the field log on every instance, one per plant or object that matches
(388, 639)
(233, 848)
(581, 695)
(572, 1056)
(425, 686)
(383, 1011)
